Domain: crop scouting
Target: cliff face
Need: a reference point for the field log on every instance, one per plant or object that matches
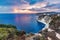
(53, 31)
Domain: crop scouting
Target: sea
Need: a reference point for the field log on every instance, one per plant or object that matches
(26, 22)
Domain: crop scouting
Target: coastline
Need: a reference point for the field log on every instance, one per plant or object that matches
(46, 23)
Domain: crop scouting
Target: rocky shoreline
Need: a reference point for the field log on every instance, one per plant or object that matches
(53, 31)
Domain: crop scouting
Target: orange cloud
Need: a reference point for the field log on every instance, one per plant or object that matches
(26, 8)
(16, 10)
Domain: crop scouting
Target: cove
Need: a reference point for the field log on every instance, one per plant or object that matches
(26, 22)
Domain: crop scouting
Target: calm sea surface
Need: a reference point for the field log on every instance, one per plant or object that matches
(26, 22)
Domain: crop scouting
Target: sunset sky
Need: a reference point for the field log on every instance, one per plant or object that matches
(29, 6)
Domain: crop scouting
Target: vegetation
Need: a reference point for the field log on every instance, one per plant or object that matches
(7, 26)
(55, 20)
(5, 30)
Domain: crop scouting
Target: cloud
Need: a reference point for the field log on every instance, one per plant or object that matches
(33, 1)
(12, 2)
(5, 9)
(53, 1)
(23, 6)
(27, 8)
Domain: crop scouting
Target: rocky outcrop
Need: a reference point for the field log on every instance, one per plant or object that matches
(53, 31)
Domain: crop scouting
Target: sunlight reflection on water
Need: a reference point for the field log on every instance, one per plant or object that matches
(26, 22)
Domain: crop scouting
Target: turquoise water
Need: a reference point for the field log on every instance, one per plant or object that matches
(26, 22)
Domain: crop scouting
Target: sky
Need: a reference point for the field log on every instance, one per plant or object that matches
(29, 6)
